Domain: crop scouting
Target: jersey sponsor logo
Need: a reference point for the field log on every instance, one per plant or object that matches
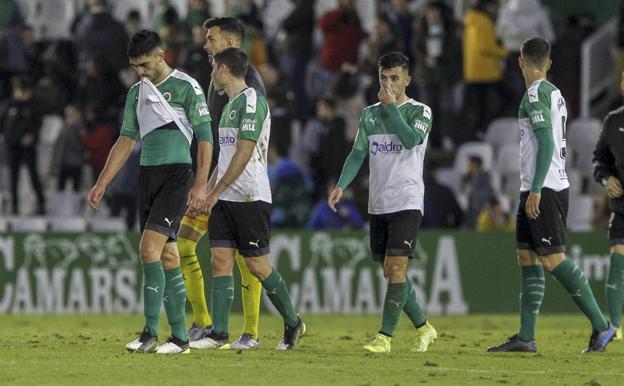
(427, 112)
(248, 125)
(227, 140)
(202, 109)
(232, 115)
(167, 96)
(198, 90)
(385, 147)
(420, 126)
(537, 117)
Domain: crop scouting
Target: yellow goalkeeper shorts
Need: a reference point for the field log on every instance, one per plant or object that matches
(199, 224)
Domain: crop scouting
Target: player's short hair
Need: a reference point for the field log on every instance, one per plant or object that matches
(536, 50)
(230, 25)
(235, 59)
(394, 59)
(142, 43)
(328, 101)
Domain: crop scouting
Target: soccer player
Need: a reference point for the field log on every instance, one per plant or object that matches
(222, 32)
(543, 208)
(609, 172)
(165, 108)
(240, 202)
(394, 134)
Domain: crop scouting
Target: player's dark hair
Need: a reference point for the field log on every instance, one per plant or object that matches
(142, 43)
(394, 59)
(235, 59)
(230, 25)
(329, 102)
(535, 50)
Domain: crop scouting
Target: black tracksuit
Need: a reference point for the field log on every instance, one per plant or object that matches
(609, 154)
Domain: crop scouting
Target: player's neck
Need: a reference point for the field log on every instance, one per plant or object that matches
(165, 71)
(532, 76)
(235, 87)
(401, 99)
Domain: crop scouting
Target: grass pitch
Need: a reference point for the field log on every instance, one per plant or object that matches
(66, 350)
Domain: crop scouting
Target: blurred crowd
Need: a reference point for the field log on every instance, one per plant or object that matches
(61, 100)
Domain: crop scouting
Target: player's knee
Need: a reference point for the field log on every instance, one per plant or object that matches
(170, 260)
(550, 262)
(149, 254)
(395, 272)
(618, 248)
(220, 266)
(259, 269)
(526, 258)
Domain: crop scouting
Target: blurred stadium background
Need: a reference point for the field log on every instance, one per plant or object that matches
(318, 63)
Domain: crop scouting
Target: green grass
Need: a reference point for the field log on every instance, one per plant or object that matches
(90, 350)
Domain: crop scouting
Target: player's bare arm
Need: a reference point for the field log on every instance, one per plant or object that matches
(240, 159)
(116, 159)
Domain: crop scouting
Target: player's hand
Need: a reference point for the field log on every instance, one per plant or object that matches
(196, 197)
(386, 96)
(211, 201)
(614, 188)
(95, 196)
(532, 205)
(334, 197)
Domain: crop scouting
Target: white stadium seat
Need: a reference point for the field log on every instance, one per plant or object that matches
(502, 131)
(67, 224)
(580, 213)
(107, 224)
(29, 224)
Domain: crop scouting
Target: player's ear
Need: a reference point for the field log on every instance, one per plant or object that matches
(408, 80)
(548, 64)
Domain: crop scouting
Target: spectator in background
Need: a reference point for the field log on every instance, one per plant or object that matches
(165, 13)
(298, 28)
(133, 22)
(173, 34)
(10, 14)
(20, 122)
(291, 191)
(70, 150)
(100, 87)
(347, 215)
(402, 18)
(21, 53)
(437, 49)
(195, 62)
(477, 187)
(443, 211)
(10, 17)
(124, 189)
(485, 94)
(198, 12)
(51, 96)
(343, 34)
(281, 122)
(346, 89)
(254, 44)
(333, 148)
(566, 57)
(98, 139)
(494, 218)
(517, 21)
(98, 33)
(380, 42)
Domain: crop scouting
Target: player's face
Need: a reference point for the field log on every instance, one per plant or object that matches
(148, 66)
(216, 41)
(396, 78)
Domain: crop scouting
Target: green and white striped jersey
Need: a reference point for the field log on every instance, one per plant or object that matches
(246, 116)
(165, 116)
(543, 107)
(396, 173)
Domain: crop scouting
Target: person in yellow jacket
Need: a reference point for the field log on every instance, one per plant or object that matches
(483, 70)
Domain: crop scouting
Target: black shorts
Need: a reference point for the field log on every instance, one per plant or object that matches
(547, 234)
(241, 225)
(163, 191)
(394, 234)
(616, 229)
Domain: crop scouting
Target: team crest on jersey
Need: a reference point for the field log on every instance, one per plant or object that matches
(167, 96)
(232, 115)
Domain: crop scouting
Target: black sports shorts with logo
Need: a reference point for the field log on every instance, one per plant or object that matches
(616, 228)
(394, 234)
(163, 191)
(546, 234)
(241, 225)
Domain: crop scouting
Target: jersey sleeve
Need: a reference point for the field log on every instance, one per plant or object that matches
(361, 139)
(538, 108)
(196, 110)
(130, 124)
(252, 116)
(420, 120)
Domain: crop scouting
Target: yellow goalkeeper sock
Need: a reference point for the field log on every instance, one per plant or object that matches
(194, 282)
(251, 291)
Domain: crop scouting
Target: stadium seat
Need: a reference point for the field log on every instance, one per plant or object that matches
(502, 131)
(50, 130)
(508, 159)
(51, 19)
(67, 224)
(580, 213)
(107, 224)
(582, 135)
(575, 178)
(4, 225)
(29, 224)
(481, 149)
(64, 204)
(510, 184)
